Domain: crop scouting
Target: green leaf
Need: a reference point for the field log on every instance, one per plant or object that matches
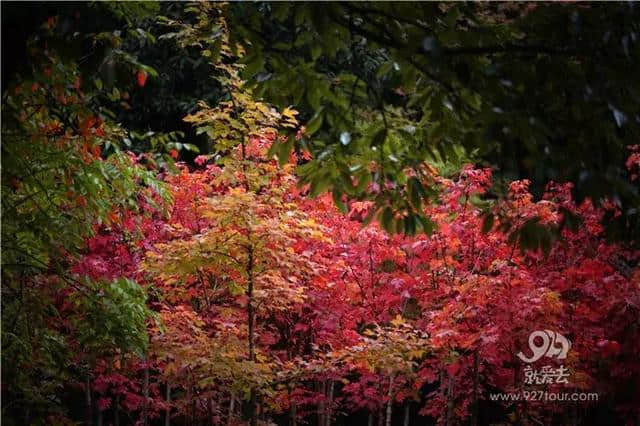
(316, 51)
(337, 200)
(254, 64)
(487, 222)
(285, 149)
(190, 147)
(428, 226)
(386, 219)
(416, 192)
(319, 185)
(315, 123)
(384, 69)
(379, 137)
(314, 95)
(410, 225)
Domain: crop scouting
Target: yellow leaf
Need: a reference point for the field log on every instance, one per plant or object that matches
(398, 321)
(288, 112)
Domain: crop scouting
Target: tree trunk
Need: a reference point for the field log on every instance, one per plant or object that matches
(476, 373)
(321, 404)
(88, 402)
(145, 392)
(380, 417)
(116, 411)
(407, 413)
(232, 406)
(167, 414)
(251, 320)
(390, 400)
(116, 406)
(294, 414)
(449, 418)
(519, 404)
(99, 417)
(329, 403)
(370, 419)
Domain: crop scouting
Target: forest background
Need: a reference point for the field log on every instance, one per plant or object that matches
(322, 213)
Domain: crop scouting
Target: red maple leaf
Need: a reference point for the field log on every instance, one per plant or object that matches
(142, 78)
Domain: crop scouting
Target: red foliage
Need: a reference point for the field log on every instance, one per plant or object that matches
(141, 78)
(474, 294)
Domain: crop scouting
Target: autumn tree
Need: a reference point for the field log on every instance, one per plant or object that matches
(251, 230)
(64, 175)
(381, 263)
